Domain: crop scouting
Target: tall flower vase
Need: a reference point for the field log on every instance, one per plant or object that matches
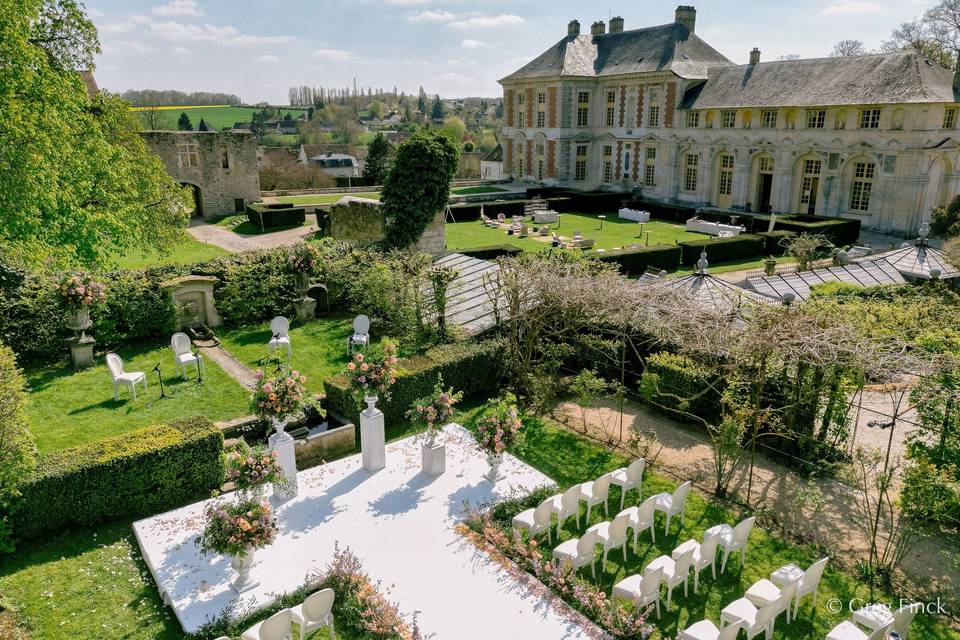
(81, 345)
(494, 460)
(283, 444)
(373, 440)
(242, 565)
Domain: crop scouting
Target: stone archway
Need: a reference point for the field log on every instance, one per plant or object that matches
(197, 195)
(936, 192)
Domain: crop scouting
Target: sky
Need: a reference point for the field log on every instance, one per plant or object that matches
(456, 48)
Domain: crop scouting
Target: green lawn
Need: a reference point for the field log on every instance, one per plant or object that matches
(319, 347)
(219, 117)
(69, 408)
(615, 233)
(568, 458)
(324, 198)
(466, 191)
(188, 251)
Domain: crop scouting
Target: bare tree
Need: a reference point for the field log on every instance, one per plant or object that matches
(935, 35)
(848, 48)
(153, 118)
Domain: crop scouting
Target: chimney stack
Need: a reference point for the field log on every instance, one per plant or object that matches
(598, 28)
(687, 16)
(573, 29)
(616, 25)
(755, 56)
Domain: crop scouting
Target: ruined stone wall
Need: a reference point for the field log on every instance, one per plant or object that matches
(364, 222)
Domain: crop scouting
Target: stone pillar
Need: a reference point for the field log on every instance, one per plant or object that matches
(81, 351)
(372, 438)
(306, 308)
(283, 444)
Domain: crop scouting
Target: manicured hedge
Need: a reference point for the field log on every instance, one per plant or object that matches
(636, 261)
(492, 252)
(475, 368)
(127, 476)
(678, 386)
(772, 240)
(357, 181)
(840, 231)
(740, 247)
(267, 216)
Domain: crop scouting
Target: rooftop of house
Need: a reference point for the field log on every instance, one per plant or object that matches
(495, 155)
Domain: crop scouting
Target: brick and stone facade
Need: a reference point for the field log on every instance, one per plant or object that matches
(220, 166)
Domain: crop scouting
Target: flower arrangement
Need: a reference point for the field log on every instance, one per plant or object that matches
(498, 430)
(373, 375)
(302, 258)
(253, 468)
(279, 395)
(434, 410)
(238, 529)
(80, 290)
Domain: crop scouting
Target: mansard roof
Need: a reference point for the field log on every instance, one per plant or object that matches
(902, 77)
(669, 47)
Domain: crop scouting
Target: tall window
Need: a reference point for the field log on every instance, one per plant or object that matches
(690, 174)
(863, 173)
(521, 119)
(766, 164)
(693, 119)
(728, 119)
(650, 167)
(811, 169)
(816, 118)
(869, 118)
(725, 187)
(224, 159)
(769, 119)
(541, 109)
(540, 163)
(521, 110)
(520, 171)
(611, 108)
(607, 164)
(583, 108)
(580, 170)
(188, 154)
(653, 111)
(950, 117)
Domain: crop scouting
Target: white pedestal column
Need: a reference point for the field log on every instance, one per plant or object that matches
(372, 438)
(283, 444)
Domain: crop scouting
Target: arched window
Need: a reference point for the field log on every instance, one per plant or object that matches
(691, 162)
(862, 185)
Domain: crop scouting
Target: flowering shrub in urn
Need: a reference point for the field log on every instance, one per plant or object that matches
(81, 290)
(279, 395)
(434, 410)
(251, 469)
(302, 258)
(374, 374)
(498, 430)
(238, 529)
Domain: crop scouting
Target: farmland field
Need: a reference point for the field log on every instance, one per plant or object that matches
(219, 117)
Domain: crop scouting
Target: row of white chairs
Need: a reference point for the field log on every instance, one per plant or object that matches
(879, 620)
(183, 356)
(280, 335)
(316, 612)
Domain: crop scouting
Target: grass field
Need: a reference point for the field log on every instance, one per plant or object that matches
(324, 198)
(467, 191)
(188, 251)
(219, 117)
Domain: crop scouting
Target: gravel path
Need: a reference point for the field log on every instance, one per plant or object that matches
(235, 243)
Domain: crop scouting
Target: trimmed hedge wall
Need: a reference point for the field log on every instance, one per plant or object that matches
(475, 368)
(739, 247)
(840, 231)
(492, 252)
(281, 215)
(668, 374)
(772, 240)
(127, 476)
(636, 261)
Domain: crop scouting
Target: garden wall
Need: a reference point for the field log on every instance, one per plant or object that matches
(355, 221)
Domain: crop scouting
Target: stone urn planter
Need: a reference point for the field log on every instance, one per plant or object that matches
(279, 426)
(242, 565)
(301, 282)
(81, 345)
(434, 458)
(494, 460)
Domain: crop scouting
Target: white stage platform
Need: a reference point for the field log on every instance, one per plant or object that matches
(399, 522)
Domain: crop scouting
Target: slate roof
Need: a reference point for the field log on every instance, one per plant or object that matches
(917, 260)
(902, 77)
(864, 274)
(495, 155)
(669, 47)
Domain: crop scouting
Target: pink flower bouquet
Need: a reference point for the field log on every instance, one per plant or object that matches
(373, 375)
(80, 290)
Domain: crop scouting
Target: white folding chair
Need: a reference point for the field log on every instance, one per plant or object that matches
(706, 630)
(579, 551)
(566, 504)
(537, 520)
(361, 334)
(613, 535)
(280, 335)
(641, 519)
(847, 630)
(875, 616)
(276, 627)
(129, 379)
(596, 492)
(734, 539)
(672, 504)
(807, 581)
(641, 590)
(629, 478)
(315, 613)
(763, 592)
(753, 620)
(183, 355)
(704, 555)
(674, 572)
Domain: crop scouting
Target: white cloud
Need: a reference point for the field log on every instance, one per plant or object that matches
(181, 50)
(473, 44)
(268, 58)
(337, 55)
(117, 27)
(178, 8)
(431, 16)
(182, 32)
(457, 78)
(479, 22)
(847, 7)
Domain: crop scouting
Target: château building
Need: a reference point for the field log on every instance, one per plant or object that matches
(659, 111)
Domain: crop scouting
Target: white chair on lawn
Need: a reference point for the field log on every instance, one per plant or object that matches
(672, 504)
(641, 590)
(674, 572)
(628, 478)
(875, 616)
(129, 379)
(753, 620)
(807, 581)
(613, 535)
(641, 519)
(733, 539)
(706, 630)
(536, 521)
(704, 555)
(361, 334)
(276, 627)
(280, 335)
(596, 492)
(315, 613)
(566, 504)
(763, 592)
(183, 354)
(847, 630)
(579, 551)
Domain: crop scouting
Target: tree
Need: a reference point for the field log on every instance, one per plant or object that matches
(378, 158)
(469, 147)
(203, 125)
(436, 111)
(258, 126)
(153, 118)
(934, 35)
(454, 128)
(418, 186)
(78, 185)
(945, 219)
(805, 247)
(848, 48)
(183, 122)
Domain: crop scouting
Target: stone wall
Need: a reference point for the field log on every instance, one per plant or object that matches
(325, 446)
(363, 221)
(220, 165)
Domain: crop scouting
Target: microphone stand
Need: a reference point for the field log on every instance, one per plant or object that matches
(163, 393)
(196, 354)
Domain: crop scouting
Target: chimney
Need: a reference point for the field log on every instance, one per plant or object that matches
(573, 29)
(687, 16)
(616, 25)
(598, 28)
(755, 56)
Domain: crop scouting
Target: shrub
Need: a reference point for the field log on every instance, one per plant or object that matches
(265, 217)
(945, 219)
(636, 261)
(839, 231)
(127, 476)
(679, 386)
(475, 368)
(739, 247)
(17, 453)
(773, 241)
